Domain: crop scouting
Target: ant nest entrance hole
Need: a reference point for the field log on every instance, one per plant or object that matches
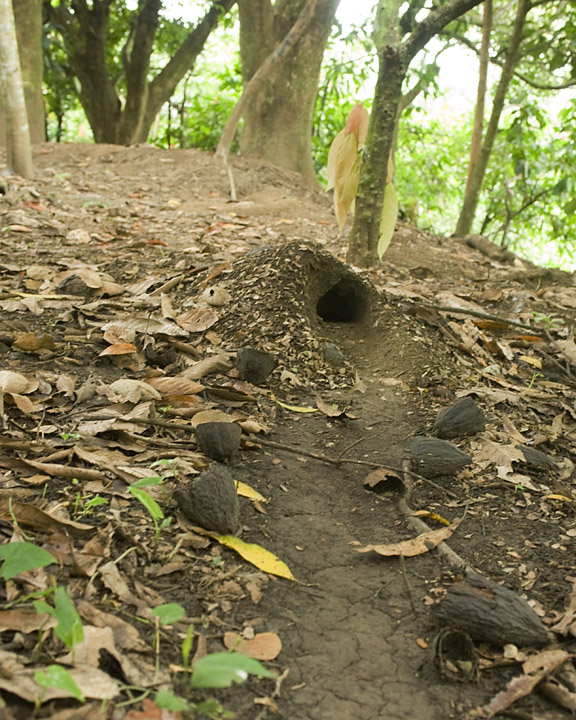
(344, 302)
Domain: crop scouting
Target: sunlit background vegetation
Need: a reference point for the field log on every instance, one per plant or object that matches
(528, 203)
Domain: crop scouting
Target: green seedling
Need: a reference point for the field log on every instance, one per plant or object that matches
(21, 556)
(152, 507)
(69, 625)
(535, 377)
(223, 669)
(88, 506)
(74, 436)
(58, 677)
(168, 701)
(187, 646)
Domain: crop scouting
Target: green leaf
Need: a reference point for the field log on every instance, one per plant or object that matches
(167, 700)
(387, 219)
(58, 677)
(69, 628)
(169, 613)
(187, 645)
(223, 669)
(21, 556)
(148, 501)
(148, 482)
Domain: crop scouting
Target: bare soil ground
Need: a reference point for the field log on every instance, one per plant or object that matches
(128, 282)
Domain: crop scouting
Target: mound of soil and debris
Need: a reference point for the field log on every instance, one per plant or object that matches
(363, 479)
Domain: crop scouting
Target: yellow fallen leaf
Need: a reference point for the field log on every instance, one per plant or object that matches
(246, 491)
(432, 516)
(257, 555)
(294, 408)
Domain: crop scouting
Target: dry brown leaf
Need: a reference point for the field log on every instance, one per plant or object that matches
(207, 366)
(205, 416)
(31, 516)
(115, 334)
(134, 391)
(263, 646)
(18, 678)
(175, 385)
(13, 382)
(30, 342)
(416, 546)
(197, 320)
(541, 665)
(25, 620)
(121, 348)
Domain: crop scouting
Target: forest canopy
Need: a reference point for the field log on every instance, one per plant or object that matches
(500, 162)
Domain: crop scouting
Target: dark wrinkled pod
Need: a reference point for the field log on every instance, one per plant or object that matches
(432, 457)
(254, 365)
(210, 501)
(220, 441)
(464, 417)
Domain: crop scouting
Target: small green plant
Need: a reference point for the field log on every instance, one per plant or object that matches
(217, 670)
(81, 508)
(58, 677)
(152, 507)
(21, 556)
(223, 669)
(69, 625)
(74, 436)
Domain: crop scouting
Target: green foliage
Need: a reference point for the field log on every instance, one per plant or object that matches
(167, 700)
(21, 556)
(58, 677)
(224, 669)
(169, 613)
(431, 158)
(529, 190)
(69, 625)
(152, 507)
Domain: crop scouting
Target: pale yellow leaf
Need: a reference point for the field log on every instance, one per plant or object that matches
(246, 491)
(257, 555)
(332, 156)
(294, 408)
(387, 219)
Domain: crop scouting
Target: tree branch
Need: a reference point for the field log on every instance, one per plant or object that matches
(435, 21)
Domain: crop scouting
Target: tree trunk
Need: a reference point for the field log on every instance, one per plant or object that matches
(478, 128)
(374, 169)
(394, 56)
(19, 151)
(278, 119)
(85, 32)
(477, 173)
(28, 19)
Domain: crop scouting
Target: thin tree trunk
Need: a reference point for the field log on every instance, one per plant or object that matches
(19, 149)
(394, 58)
(476, 174)
(478, 127)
